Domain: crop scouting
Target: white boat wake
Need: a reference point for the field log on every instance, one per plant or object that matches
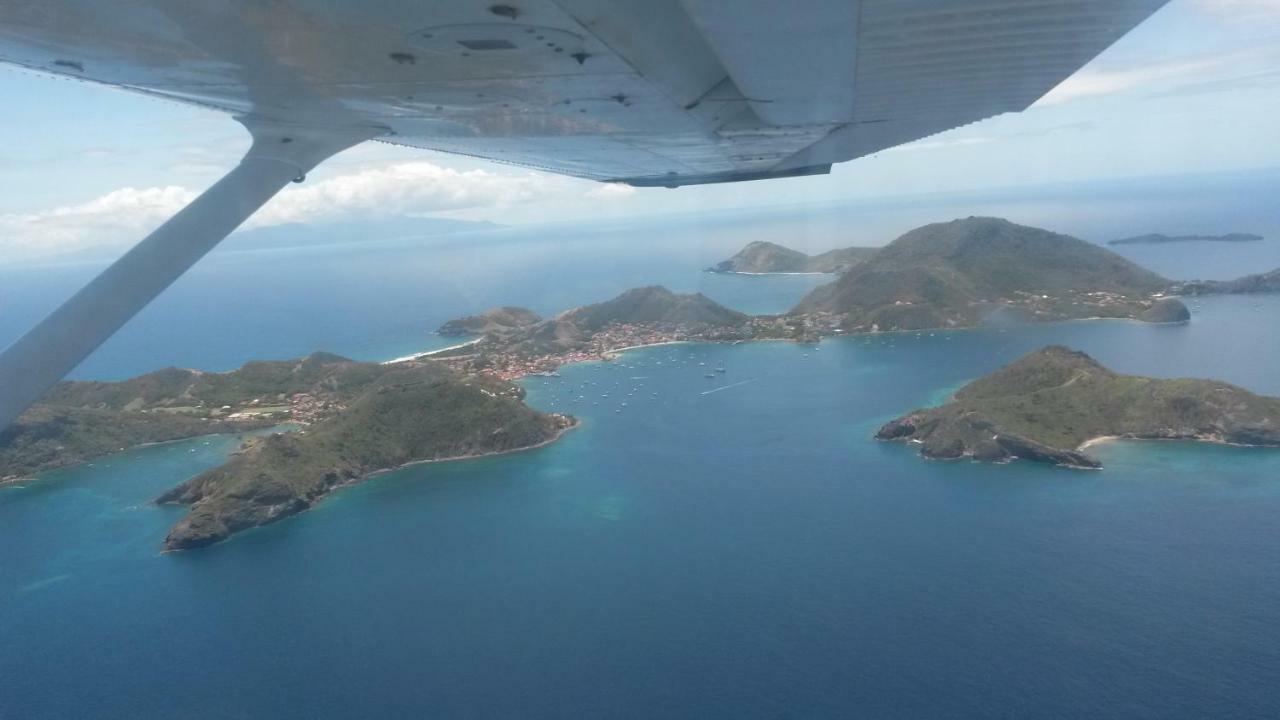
(731, 385)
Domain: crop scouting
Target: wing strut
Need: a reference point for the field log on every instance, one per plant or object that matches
(279, 154)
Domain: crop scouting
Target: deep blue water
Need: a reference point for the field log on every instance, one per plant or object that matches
(728, 547)
(705, 552)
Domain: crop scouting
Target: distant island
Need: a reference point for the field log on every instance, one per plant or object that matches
(941, 276)
(1158, 239)
(1050, 405)
(358, 418)
(956, 274)
(1268, 282)
(763, 258)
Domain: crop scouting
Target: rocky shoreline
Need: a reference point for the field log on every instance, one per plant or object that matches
(1052, 405)
(182, 537)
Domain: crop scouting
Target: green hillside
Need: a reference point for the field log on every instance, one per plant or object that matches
(953, 274)
(409, 414)
(1047, 404)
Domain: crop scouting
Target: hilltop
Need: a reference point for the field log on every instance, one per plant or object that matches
(1158, 239)
(761, 257)
(493, 320)
(956, 273)
(412, 412)
(653, 304)
(1049, 404)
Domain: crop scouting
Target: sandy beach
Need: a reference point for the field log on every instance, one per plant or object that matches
(429, 353)
(1097, 441)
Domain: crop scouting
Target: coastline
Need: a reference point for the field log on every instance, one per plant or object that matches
(604, 354)
(14, 479)
(613, 353)
(560, 432)
(1097, 441)
(1211, 440)
(429, 353)
(473, 456)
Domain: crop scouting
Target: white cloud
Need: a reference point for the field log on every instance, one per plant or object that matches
(611, 191)
(401, 189)
(1199, 43)
(124, 213)
(926, 145)
(1241, 10)
(1095, 82)
(123, 216)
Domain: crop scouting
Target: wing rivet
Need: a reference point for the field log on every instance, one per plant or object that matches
(581, 57)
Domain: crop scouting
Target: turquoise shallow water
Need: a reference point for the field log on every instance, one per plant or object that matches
(726, 547)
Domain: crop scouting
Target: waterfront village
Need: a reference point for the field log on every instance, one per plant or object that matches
(511, 361)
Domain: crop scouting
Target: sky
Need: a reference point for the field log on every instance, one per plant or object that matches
(1192, 90)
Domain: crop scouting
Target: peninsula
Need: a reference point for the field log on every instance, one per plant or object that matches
(79, 420)
(410, 413)
(1268, 282)
(957, 274)
(763, 258)
(1158, 239)
(1049, 405)
(641, 316)
(357, 418)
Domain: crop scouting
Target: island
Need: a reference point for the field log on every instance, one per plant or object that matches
(359, 418)
(355, 419)
(961, 273)
(952, 275)
(766, 258)
(1268, 282)
(1050, 405)
(1158, 239)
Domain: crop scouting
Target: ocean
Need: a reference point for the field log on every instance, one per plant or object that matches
(734, 546)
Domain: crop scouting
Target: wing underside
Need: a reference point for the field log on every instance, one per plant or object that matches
(661, 92)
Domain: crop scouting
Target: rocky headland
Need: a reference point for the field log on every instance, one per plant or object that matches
(1049, 405)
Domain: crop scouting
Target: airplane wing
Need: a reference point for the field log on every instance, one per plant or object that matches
(648, 92)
